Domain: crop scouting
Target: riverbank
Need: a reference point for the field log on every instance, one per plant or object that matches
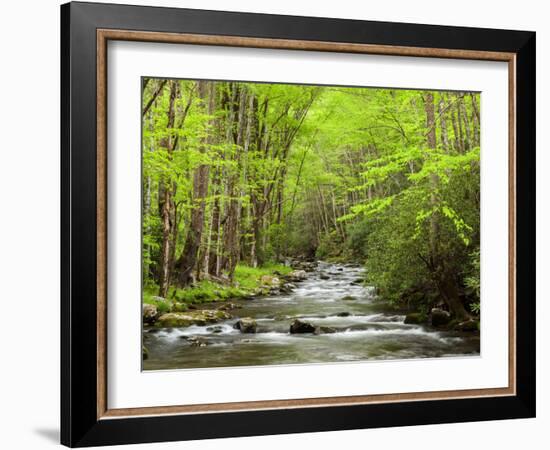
(330, 316)
(215, 293)
(204, 301)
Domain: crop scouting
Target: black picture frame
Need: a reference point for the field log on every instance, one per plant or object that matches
(80, 425)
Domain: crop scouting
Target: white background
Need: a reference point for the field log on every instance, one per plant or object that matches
(29, 387)
(130, 388)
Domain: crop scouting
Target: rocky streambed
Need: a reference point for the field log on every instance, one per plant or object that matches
(321, 313)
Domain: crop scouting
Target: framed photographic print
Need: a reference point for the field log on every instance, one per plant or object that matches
(276, 224)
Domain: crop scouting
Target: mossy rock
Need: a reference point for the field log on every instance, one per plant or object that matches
(186, 319)
(149, 312)
(415, 318)
(349, 298)
(246, 325)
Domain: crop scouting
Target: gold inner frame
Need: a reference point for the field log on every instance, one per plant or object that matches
(103, 36)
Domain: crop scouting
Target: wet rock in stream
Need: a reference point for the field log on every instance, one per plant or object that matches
(246, 325)
(195, 341)
(318, 321)
(299, 327)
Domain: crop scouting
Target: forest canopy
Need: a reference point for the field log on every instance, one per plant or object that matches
(243, 175)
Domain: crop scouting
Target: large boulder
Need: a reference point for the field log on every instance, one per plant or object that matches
(149, 313)
(186, 319)
(299, 327)
(297, 275)
(246, 325)
(440, 317)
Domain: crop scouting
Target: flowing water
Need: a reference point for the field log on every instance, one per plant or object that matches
(366, 329)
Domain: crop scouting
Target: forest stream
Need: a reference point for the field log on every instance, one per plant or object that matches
(331, 297)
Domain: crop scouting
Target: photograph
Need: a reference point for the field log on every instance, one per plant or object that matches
(299, 224)
(281, 223)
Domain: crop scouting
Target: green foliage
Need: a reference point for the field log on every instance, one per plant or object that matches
(249, 277)
(472, 281)
(329, 246)
(207, 291)
(162, 306)
(246, 282)
(307, 171)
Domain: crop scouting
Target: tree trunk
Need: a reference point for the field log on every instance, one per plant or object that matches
(154, 96)
(448, 289)
(457, 145)
(211, 265)
(461, 139)
(443, 123)
(443, 276)
(434, 179)
(188, 260)
(475, 119)
(467, 131)
(231, 228)
(167, 202)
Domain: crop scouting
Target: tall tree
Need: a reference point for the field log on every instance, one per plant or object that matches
(206, 91)
(165, 194)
